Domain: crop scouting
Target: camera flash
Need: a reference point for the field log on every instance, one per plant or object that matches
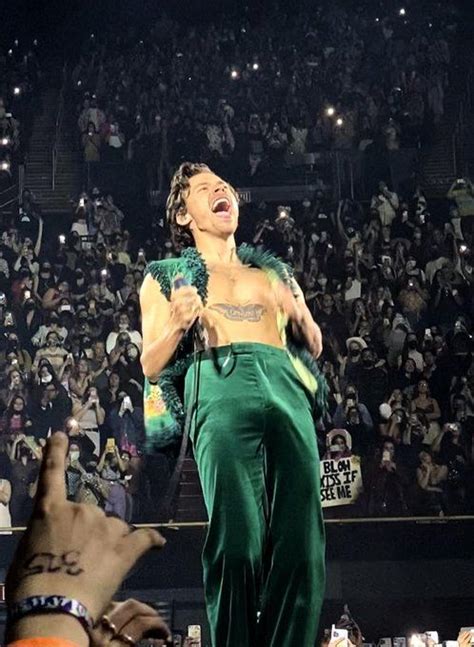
(5, 166)
(402, 12)
(5, 141)
(234, 74)
(16, 91)
(330, 111)
(463, 249)
(339, 121)
(255, 66)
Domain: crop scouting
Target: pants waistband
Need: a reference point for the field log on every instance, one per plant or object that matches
(243, 348)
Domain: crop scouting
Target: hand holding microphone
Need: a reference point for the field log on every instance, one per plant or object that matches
(186, 304)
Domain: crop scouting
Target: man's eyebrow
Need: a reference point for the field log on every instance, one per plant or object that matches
(201, 184)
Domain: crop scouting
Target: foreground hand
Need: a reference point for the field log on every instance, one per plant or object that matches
(131, 618)
(464, 639)
(73, 549)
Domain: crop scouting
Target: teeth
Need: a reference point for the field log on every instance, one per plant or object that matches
(221, 204)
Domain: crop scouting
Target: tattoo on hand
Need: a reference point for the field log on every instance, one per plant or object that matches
(252, 312)
(65, 563)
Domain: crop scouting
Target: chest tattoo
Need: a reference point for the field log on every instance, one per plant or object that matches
(252, 312)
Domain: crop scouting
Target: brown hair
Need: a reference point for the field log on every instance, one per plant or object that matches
(175, 205)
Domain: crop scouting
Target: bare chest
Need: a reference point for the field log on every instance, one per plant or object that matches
(239, 286)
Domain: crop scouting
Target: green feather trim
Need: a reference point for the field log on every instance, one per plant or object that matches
(197, 267)
(264, 259)
(190, 264)
(311, 364)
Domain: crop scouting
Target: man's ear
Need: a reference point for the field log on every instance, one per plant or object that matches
(183, 219)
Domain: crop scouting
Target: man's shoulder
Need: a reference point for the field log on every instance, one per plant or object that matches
(164, 264)
(164, 271)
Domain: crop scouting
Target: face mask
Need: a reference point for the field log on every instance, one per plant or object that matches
(74, 456)
(46, 379)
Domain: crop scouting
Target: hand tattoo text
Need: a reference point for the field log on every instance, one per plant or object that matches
(40, 563)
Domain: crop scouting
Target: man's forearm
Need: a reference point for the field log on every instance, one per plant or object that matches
(157, 355)
(310, 333)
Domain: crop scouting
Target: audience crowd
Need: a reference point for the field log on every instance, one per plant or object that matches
(390, 285)
(389, 282)
(20, 77)
(252, 92)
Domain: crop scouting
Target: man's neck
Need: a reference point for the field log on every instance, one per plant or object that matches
(218, 250)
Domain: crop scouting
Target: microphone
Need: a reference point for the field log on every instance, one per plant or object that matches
(201, 333)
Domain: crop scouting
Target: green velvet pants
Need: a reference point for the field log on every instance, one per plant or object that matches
(255, 446)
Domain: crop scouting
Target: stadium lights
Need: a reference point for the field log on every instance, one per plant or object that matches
(330, 111)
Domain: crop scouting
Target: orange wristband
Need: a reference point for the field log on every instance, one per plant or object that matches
(42, 642)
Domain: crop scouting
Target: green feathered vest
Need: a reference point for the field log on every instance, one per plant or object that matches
(163, 402)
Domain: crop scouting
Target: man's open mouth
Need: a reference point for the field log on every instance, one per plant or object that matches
(221, 206)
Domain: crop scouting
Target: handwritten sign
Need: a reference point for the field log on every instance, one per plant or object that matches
(341, 481)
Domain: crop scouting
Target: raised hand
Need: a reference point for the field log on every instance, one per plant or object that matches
(70, 549)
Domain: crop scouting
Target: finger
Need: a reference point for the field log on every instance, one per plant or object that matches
(117, 526)
(52, 483)
(147, 627)
(136, 544)
(125, 612)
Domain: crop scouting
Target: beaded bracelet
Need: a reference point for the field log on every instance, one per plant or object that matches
(50, 604)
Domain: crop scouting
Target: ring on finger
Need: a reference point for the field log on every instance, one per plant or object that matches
(106, 622)
(125, 639)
